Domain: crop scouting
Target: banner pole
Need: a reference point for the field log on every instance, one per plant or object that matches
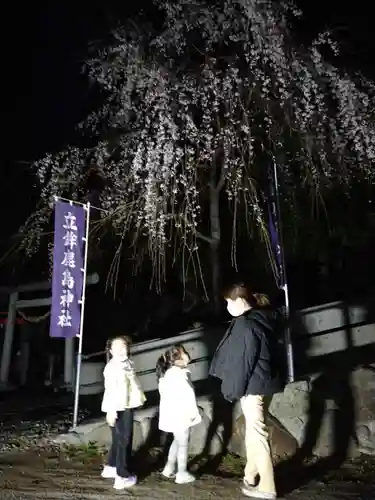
(283, 279)
(80, 336)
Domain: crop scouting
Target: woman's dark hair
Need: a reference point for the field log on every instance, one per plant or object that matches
(242, 291)
(168, 359)
(108, 345)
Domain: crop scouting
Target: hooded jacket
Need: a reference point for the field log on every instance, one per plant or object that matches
(249, 359)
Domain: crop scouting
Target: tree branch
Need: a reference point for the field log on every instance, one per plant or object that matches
(204, 238)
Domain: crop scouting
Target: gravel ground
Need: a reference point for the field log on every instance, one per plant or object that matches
(75, 475)
(28, 419)
(31, 468)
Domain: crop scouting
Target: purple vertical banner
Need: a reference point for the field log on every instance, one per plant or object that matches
(274, 228)
(68, 263)
(275, 242)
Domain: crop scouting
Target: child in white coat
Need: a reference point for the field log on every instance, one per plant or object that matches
(122, 393)
(178, 410)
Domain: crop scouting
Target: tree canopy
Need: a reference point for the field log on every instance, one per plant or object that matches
(196, 103)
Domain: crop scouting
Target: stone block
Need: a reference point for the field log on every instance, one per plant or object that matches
(283, 444)
(363, 382)
(198, 438)
(198, 433)
(290, 408)
(98, 432)
(331, 404)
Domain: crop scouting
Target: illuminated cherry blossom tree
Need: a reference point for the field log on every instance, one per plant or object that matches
(192, 114)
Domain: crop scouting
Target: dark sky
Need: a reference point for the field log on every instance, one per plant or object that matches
(352, 23)
(45, 94)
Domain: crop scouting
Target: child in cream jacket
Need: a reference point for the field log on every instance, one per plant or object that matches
(122, 393)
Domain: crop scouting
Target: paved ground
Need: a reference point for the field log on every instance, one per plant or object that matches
(42, 475)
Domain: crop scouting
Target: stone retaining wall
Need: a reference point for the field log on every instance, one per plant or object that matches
(146, 433)
(332, 406)
(314, 406)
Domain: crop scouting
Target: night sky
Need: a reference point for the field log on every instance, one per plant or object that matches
(44, 93)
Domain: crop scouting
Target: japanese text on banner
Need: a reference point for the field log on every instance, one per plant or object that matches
(67, 280)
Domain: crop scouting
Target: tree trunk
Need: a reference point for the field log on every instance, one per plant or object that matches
(216, 184)
(215, 238)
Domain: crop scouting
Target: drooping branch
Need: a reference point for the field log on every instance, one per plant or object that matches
(201, 236)
(217, 86)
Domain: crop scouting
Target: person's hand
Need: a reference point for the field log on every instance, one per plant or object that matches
(111, 418)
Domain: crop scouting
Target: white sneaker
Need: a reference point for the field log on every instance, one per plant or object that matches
(256, 494)
(108, 472)
(184, 478)
(121, 483)
(168, 472)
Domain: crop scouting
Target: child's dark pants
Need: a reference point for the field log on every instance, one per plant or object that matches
(122, 440)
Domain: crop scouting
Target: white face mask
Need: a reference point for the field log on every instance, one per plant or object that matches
(237, 307)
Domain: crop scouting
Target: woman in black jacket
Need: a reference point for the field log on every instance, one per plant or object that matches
(248, 361)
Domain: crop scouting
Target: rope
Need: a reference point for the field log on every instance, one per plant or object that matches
(34, 319)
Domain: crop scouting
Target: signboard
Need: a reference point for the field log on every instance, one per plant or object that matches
(68, 270)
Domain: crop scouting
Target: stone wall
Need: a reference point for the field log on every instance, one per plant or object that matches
(334, 422)
(330, 407)
(146, 433)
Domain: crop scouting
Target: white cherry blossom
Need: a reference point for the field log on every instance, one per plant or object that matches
(220, 87)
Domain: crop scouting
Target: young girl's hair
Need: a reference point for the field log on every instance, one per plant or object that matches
(168, 359)
(108, 345)
(242, 291)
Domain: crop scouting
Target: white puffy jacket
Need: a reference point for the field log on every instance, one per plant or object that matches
(178, 404)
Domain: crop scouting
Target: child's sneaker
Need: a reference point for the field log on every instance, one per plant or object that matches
(108, 472)
(258, 495)
(184, 478)
(121, 483)
(168, 471)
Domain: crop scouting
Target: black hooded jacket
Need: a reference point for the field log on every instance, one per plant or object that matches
(249, 359)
